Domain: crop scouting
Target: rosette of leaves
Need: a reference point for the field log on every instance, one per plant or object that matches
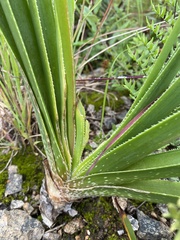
(40, 34)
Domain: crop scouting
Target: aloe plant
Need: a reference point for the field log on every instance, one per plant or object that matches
(40, 34)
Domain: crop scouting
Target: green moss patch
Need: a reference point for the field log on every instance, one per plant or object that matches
(102, 219)
(4, 175)
(95, 98)
(29, 166)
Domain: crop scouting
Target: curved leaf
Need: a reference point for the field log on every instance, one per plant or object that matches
(134, 149)
(152, 190)
(156, 166)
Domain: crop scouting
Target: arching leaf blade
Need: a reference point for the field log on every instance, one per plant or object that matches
(64, 21)
(152, 190)
(136, 148)
(155, 166)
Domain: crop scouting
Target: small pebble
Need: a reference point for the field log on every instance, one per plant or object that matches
(15, 204)
(14, 184)
(77, 237)
(120, 232)
(109, 122)
(120, 116)
(51, 236)
(74, 226)
(37, 197)
(163, 220)
(93, 145)
(60, 232)
(25, 199)
(90, 109)
(162, 207)
(126, 101)
(153, 214)
(28, 208)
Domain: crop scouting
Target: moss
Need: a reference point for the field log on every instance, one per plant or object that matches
(4, 175)
(29, 166)
(146, 207)
(96, 99)
(114, 237)
(102, 219)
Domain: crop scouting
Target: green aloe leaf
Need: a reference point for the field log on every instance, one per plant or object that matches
(82, 134)
(150, 190)
(64, 19)
(156, 166)
(134, 149)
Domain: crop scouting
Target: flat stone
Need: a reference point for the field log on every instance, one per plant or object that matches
(16, 204)
(17, 224)
(150, 229)
(14, 184)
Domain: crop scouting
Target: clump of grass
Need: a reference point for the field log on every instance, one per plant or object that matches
(18, 123)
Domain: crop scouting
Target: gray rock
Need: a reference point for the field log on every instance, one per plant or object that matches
(14, 184)
(162, 207)
(91, 109)
(134, 222)
(16, 204)
(93, 144)
(51, 236)
(150, 229)
(108, 122)
(17, 224)
(126, 101)
(120, 116)
(109, 112)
